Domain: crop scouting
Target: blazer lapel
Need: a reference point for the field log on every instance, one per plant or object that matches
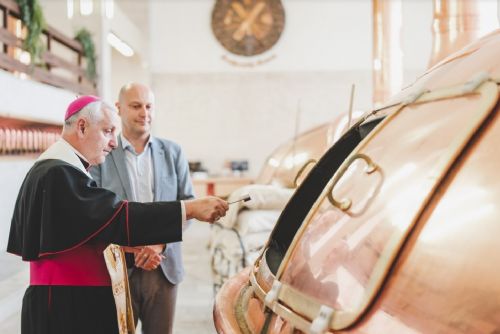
(158, 157)
(119, 159)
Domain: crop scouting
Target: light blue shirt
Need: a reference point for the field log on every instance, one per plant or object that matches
(140, 170)
(141, 174)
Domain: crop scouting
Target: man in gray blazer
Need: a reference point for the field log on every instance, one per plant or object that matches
(144, 168)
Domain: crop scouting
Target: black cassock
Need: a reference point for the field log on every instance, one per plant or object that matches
(60, 209)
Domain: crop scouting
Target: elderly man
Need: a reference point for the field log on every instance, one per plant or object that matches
(62, 222)
(144, 168)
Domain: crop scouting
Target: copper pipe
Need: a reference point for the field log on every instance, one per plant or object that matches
(456, 23)
(387, 54)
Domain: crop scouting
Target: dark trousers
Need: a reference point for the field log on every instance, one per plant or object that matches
(153, 300)
(67, 309)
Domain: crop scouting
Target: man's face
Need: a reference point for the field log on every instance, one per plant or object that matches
(100, 137)
(136, 109)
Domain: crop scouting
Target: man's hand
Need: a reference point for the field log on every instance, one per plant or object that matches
(208, 209)
(149, 257)
(130, 249)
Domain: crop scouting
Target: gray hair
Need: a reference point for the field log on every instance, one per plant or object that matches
(93, 112)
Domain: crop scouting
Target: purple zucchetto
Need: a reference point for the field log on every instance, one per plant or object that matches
(79, 104)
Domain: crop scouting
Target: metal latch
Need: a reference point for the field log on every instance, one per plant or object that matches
(272, 295)
(322, 321)
(475, 82)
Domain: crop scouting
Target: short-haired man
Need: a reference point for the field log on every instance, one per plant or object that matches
(62, 222)
(145, 168)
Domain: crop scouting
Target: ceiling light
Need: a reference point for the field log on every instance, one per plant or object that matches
(120, 45)
(70, 8)
(109, 8)
(86, 7)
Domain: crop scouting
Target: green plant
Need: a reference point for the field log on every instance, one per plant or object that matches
(85, 38)
(32, 18)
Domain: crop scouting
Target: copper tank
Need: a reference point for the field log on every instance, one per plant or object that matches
(395, 229)
(457, 23)
(387, 53)
(298, 155)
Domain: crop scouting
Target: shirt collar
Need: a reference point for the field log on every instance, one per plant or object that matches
(126, 145)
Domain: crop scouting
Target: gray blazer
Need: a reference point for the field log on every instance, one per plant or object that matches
(171, 182)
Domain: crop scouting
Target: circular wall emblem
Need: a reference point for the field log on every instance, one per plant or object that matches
(248, 27)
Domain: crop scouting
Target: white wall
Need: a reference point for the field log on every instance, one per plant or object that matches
(55, 15)
(318, 35)
(32, 100)
(227, 116)
(127, 69)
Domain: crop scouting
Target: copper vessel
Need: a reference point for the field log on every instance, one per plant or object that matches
(387, 52)
(457, 23)
(232, 245)
(395, 228)
(301, 153)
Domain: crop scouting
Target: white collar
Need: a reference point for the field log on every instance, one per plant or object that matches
(62, 150)
(126, 144)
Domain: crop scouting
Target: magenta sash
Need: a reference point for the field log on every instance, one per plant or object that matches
(82, 266)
